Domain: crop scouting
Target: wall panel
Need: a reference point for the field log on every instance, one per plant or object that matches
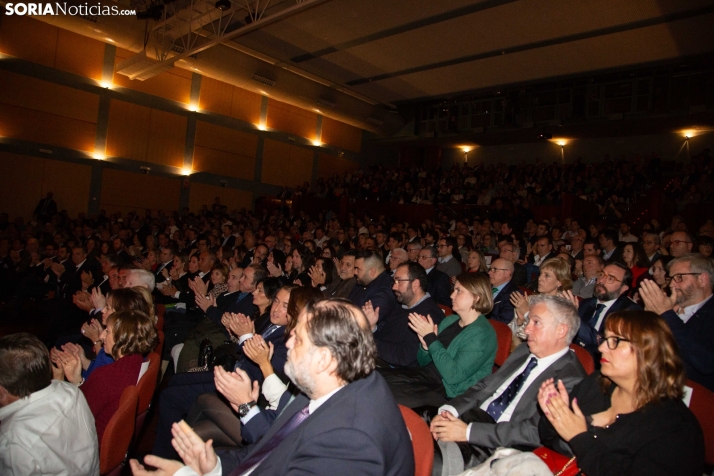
(245, 105)
(26, 124)
(341, 135)
(174, 84)
(24, 180)
(44, 96)
(128, 132)
(38, 47)
(215, 96)
(127, 191)
(204, 194)
(167, 139)
(286, 164)
(224, 151)
(288, 118)
(79, 54)
(330, 165)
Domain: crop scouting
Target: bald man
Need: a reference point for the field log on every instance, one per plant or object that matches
(500, 275)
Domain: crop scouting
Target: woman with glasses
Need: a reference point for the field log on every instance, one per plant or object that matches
(629, 417)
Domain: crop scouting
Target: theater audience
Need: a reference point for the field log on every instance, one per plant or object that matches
(629, 417)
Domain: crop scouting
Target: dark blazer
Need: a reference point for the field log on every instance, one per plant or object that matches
(615, 256)
(522, 429)
(502, 308)
(587, 334)
(396, 343)
(71, 280)
(188, 297)
(230, 242)
(655, 257)
(379, 291)
(439, 286)
(349, 434)
(520, 275)
(695, 342)
(158, 276)
(552, 254)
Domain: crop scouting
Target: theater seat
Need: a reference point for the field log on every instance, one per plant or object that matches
(146, 388)
(504, 337)
(447, 310)
(586, 360)
(702, 405)
(160, 313)
(118, 434)
(422, 442)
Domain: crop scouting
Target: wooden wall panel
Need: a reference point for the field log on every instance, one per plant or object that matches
(21, 190)
(70, 184)
(24, 180)
(127, 191)
(167, 139)
(215, 96)
(224, 151)
(128, 132)
(44, 96)
(29, 39)
(286, 164)
(330, 165)
(26, 124)
(245, 105)
(174, 84)
(287, 118)
(204, 194)
(341, 135)
(79, 54)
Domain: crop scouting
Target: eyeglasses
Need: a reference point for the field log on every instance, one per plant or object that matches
(678, 242)
(497, 269)
(677, 278)
(609, 278)
(612, 341)
(401, 280)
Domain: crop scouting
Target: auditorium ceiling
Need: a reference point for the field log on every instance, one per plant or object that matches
(396, 51)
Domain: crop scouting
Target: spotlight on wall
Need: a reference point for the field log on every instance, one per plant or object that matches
(316, 143)
(193, 107)
(186, 171)
(105, 84)
(261, 126)
(223, 5)
(99, 155)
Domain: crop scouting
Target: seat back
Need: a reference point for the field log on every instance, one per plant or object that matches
(447, 310)
(120, 429)
(422, 442)
(147, 383)
(702, 405)
(160, 313)
(586, 360)
(504, 337)
(159, 348)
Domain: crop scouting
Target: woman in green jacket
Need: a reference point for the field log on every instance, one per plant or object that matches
(453, 355)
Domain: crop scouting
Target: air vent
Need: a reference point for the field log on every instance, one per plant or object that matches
(263, 80)
(326, 102)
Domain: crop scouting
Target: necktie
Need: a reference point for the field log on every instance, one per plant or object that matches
(277, 438)
(594, 321)
(498, 405)
(494, 291)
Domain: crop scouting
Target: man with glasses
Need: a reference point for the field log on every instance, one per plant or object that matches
(576, 247)
(413, 249)
(397, 344)
(689, 313)
(500, 276)
(447, 263)
(438, 285)
(680, 244)
(651, 243)
(510, 252)
(609, 295)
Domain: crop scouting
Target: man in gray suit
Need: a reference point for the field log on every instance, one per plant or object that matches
(502, 409)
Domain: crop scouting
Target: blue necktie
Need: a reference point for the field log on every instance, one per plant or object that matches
(277, 438)
(498, 405)
(596, 316)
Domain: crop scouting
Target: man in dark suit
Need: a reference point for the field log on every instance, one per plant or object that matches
(693, 324)
(609, 295)
(344, 422)
(71, 279)
(651, 243)
(374, 284)
(502, 409)
(397, 344)
(166, 262)
(609, 245)
(438, 285)
(500, 275)
(46, 208)
(228, 239)
(511, 252)
(542, 250)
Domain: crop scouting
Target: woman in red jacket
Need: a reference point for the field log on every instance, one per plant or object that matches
(128, 338)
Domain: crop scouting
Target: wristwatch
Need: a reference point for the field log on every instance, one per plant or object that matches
(244, 408)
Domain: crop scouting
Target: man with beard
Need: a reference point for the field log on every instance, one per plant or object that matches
(609, 295)
(689, 312)
(347, 418)
(397, 344)
(373, 285)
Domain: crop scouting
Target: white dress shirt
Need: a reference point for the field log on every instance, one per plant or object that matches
(51, 432)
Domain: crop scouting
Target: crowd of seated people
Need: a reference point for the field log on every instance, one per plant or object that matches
(239, 289)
